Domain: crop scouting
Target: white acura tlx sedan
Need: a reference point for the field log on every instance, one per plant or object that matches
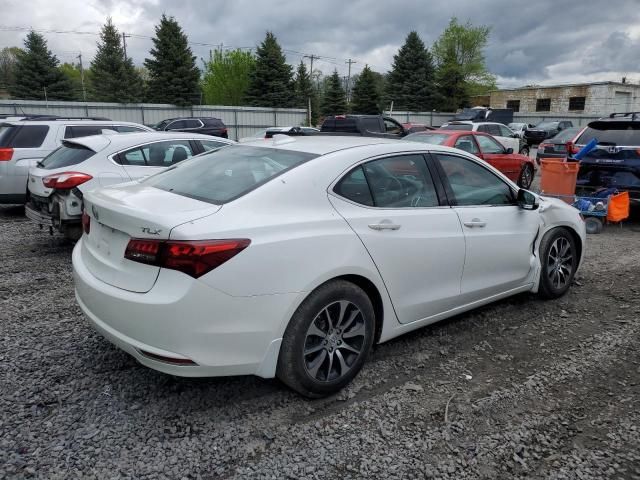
(291, 258)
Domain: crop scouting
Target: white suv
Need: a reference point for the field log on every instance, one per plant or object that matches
(25, 142)
(507, 137)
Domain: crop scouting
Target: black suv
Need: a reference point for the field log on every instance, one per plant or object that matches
(615, 163)
(544, 130)
(203, 125)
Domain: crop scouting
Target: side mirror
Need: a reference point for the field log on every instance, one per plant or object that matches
(509, 151)
(527, 200)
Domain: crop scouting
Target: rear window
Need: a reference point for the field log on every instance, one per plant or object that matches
(566, 134)
(433, 138)
(545, 125)
(23, 136)
(65, 156)
(458, 126)
(213, 122)
(226, 174)
(624, 134)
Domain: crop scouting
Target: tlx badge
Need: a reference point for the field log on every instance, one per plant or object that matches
(151, 231)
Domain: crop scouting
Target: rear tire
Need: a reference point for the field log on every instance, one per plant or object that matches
(559, 260)
(327, 340)
(526, 176)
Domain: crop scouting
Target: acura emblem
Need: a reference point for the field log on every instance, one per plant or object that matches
(94, 210)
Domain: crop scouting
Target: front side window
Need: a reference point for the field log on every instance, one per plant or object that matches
(393, 182)
(228, 173)
(467, 144)
(158, 154)
(472, 184)
(489, 145)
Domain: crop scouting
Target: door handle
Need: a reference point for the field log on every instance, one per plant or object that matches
(476, 222)
(384, 226)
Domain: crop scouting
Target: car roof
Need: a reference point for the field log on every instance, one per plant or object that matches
(77, 121)
(118, 140)
(323, 145)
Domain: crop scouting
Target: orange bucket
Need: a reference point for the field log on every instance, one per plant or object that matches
(618, 209)
(558, 177)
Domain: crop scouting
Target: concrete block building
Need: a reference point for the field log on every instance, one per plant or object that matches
(597, 98)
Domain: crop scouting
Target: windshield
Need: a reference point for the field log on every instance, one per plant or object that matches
(458, 126)
(226, 174)
(433, 138)
(566, 135)
(544, 125)
(65, 156)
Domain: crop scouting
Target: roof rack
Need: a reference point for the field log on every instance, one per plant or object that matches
(634, 115)
(57, 117)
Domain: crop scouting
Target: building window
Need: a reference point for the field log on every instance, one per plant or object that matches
(576, 103)
(543, 105)
(514, 105)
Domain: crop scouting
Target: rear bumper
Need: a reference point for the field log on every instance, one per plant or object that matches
(183, 318)
(38, 217)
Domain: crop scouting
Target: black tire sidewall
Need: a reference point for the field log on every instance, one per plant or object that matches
(546, 288)
(291, 369)
(520, 179)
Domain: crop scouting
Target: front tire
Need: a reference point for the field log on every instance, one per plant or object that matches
(525, 151)
(328, 340)
(559, 259)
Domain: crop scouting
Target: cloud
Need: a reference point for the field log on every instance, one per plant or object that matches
(531, 42)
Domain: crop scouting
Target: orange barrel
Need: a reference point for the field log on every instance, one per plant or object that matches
(558, 177)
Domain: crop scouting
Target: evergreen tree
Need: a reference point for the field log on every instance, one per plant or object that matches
(366, 96)
(113, 79)
(411, 82)
(271, 82)
(334, 101)
(173, 75)
(304, 91)
(36, 69)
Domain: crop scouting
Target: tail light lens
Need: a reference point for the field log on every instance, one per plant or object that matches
(86, 223)
(193, 257)
(6, 154)
(66, 180)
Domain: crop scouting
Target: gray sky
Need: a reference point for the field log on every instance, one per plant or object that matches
(532, 41)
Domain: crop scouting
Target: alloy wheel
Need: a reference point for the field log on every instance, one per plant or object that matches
(526, 177)
(560, 263)
(334, 341)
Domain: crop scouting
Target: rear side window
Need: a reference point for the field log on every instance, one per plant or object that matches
(127, 129)
(86, 130)
(67, 155)
(23, 136)
(213, 122)
(226, 174)
(208, 145)
(158, 154)
(613, 133)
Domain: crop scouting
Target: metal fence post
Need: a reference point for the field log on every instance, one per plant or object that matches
(142, 113)
(235, 121)
(275, 117)
(86, 109)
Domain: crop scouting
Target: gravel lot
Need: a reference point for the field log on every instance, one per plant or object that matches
(522, 388)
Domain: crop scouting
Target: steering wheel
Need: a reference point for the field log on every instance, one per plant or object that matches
(389, 182)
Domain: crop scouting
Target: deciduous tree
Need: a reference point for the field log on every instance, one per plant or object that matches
(226, 77)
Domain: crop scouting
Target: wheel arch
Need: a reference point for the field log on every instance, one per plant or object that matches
(374, 295)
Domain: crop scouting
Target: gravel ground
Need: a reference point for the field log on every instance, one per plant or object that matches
(520, 389)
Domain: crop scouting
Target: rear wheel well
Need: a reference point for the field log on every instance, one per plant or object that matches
(374, 295)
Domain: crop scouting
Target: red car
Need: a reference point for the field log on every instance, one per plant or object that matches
(519, 168)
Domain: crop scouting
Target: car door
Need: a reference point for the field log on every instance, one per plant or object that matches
(415, 240)
(499, 235)
(150, 158)
(495, 154)
(467, 144)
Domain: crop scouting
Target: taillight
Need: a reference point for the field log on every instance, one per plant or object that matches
(193, 257)
(86, 223)
(6, 154)
(65, 180)
(572, 148)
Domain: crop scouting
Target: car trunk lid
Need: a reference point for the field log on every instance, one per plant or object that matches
(132, 211)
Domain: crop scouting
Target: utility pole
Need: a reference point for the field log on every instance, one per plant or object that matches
(311, 57)
(84, 91)
(350, 62)
(124, 45)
